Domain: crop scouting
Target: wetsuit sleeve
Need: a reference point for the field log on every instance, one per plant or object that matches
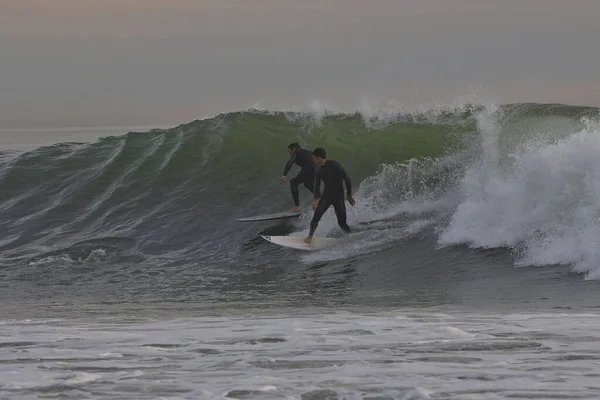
(346, 178)
(289, 164)
(317, 188)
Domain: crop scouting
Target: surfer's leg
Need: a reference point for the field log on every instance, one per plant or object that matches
(309, 180)
(294, 182)
(340, 211)
(323, 205)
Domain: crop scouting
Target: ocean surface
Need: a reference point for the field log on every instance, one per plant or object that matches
(473, 271)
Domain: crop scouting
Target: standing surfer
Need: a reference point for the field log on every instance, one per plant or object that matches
(303, 159)
(332, 174)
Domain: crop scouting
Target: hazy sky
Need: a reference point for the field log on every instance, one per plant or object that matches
(124, 62)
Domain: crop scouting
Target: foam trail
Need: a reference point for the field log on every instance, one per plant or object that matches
(398, 202)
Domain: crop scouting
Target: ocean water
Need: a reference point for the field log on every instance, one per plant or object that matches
(472, 273)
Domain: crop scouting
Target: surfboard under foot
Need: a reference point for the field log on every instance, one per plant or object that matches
(297, 242)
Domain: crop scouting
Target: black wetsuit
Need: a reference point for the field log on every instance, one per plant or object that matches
(303, 159)
(332, 174)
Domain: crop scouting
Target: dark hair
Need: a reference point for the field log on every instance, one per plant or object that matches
(294, 146)
(320, 153)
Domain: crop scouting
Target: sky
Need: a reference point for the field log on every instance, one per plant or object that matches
(67, 63)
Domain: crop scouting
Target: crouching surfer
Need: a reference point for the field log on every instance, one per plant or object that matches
(306, 176)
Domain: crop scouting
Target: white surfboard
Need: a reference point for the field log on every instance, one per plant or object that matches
(280, 215)
(297, 242)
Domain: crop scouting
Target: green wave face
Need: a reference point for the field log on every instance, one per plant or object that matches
(164, 187)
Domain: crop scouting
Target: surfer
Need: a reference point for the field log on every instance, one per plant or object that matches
(302, 158)
(332, 174)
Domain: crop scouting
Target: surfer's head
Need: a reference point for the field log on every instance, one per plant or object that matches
(293, 147)
(319, 156)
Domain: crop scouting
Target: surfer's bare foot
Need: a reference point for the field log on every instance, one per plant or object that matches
(296, 209)
(308, 239)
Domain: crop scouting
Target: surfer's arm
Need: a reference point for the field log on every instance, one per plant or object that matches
(289, 164)
(346, 178)
(317, 188)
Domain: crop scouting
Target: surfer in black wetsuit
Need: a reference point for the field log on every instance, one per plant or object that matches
(332, 174)
(303, 159)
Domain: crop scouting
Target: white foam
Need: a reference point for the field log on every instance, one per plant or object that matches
(542, 198)
(395, 354)
(81, 378)
(456, 332)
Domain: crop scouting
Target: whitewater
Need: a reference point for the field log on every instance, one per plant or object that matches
(473, 272)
